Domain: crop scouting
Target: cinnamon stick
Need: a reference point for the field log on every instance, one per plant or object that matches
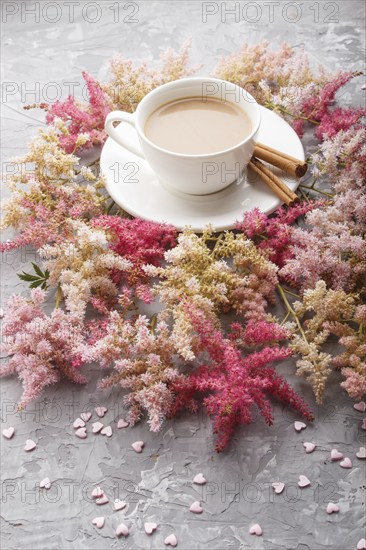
(290, 165)
(273, 182)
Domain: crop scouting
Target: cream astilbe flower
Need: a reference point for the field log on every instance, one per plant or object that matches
(231, 275)
(83, 267)
(332, 311)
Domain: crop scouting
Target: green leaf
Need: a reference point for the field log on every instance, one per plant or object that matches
(38, 270)
(27, 277)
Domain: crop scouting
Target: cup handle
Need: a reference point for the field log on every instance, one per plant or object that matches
(121, 116)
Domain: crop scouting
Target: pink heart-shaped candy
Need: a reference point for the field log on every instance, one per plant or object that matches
(86, 416)
(138, 446)
(335, 455)
(361, 453)
(119, 504)
(122, 423)
(81, 432)
(199, 479)
(278, 487)
(150, 527)
(196, 507)
(309, 447)
(45, 483)
(332, 508)
(96, 427)
(102, 500)
(346, 463)
(107, 431)
(98, 522)
(303, 481)
(97, 492)
(171, 540)
(256, 530)
(8, 432)
(79, 423)
(122, 529)
(361, 545)
(29, 445)
(299, 426)
(101, 411)
(360, 407)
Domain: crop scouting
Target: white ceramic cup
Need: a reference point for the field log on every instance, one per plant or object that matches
(186, 173)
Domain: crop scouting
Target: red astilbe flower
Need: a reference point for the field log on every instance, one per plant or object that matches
(273, 235)
(141, 242)
(234, 382)
(82, 118)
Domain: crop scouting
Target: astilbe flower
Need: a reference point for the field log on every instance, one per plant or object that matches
(198, 274)
(45, 196)
(42, 347)
(332, 312)
(140, 242)
(274, 234)
(142, 357)
(82, 118)
(232, 383)
(83, 266)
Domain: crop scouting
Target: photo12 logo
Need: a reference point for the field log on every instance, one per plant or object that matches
(54, 12)
(268, 12)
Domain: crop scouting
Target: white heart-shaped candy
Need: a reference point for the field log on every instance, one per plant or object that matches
(101, 411)
(122, 529)
(361, 453)
(119, 504)
(29, 445)
(102, 500)
(1, 313)
(8, 432)
(107, 431)
(98, 522)
(96, 427)
(86, 416)
(81, 432)
(256, 530)
(303, 481)
(79, 423)
(199, 479)
(278, 487)
(332, 508)
(335, 455)
(309, 447)
(45, 483)
(346, 463)
(361, 545)
(97, 492)
(150, 527)
(171, 540)
(360, 407)
(138, 446)
(196, 507)
(299, 426)
(122, 423)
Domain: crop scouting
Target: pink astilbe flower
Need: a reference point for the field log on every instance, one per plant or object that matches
(82, 118)
(234, 382)
(140, 242)
(274, 234)
(260, 332)
(42, 347)
(143, 363)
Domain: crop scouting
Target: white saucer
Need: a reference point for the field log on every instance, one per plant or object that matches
(135, 187)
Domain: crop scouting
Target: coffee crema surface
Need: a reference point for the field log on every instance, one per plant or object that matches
(197, 126)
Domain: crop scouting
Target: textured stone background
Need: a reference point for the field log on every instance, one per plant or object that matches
(157, 483)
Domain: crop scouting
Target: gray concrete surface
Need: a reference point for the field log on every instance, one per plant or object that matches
(157, 483)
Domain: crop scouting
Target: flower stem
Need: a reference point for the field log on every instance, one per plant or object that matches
(291, 310)
(58, 296)
(110, 206)
(311, 188)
